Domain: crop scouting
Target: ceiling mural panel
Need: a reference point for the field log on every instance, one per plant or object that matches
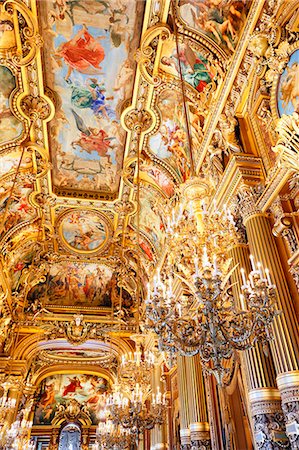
(288, 87)
(76, 284)
(151, 222)
(20, 210)
(11, 127)
(61, 389)
(11, 159)
(169, 144)
(219, 20)
(197, 71)
(89, 61)
(159, 177)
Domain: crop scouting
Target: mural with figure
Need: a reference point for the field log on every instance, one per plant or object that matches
(20, 209)
(89, 57)
(90, 390)
(74, 283)
(85, 231)
(70, 283)
(150, 220)
(196, 69)
(220, 20)
(170, 142)
(288, 87)
(10, 127)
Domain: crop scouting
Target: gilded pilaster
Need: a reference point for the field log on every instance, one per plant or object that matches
(262, 245)
(198, 416)
(158, 433)
(258, 368)
(285, 347)
(184, 410)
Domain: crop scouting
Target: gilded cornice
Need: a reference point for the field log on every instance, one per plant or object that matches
(242, 169)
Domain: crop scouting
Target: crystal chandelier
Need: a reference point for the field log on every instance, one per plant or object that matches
(132, 410)
(111, 436)
(207, 321)
(7, 405)
(17, 436)
(137, 367)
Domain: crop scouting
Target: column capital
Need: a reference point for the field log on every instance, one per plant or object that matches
(247, 201)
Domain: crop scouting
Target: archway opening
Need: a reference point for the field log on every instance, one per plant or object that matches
(70, 437)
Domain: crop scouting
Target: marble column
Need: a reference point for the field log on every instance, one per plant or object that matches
(197, 406)
(285, 346)
(158, 434)
(183, 397)
(259, 371)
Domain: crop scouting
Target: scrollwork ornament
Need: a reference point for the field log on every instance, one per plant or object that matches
(203, 444)
(30, 41)
(138, 120)
(35, 107)
(290, 407)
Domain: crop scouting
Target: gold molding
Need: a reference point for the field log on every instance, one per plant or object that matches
(241, 169)
(264, 394)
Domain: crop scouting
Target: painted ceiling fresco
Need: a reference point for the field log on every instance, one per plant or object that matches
(10, 126)
(220, 20)
(61, 389)
(89, 63)
(71, 105)
(288, 87)
(77, 284)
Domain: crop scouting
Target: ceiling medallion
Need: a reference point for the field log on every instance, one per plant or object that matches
(84, 231)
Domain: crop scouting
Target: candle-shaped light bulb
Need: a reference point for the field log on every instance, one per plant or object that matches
(159, 396)
(268, 276)
(179, 308)
(251, 257)
(215, 265)
(158, 277)
(205, 259)
(196, 266)
(242, 302)
(260, 269)
(243, 276)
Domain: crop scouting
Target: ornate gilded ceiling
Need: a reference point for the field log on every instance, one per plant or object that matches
(88, 88)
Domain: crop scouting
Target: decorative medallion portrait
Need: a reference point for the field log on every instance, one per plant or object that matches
(59, 389)
(288, 87)
(10, 127)
(85, 231)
